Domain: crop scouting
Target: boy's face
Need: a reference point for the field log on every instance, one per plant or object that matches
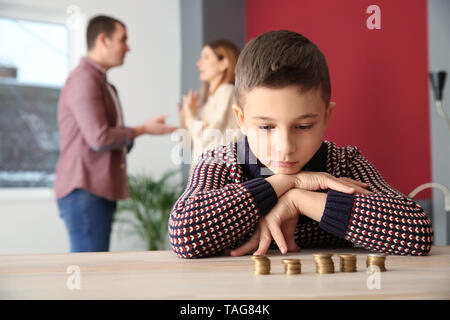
(284, 126)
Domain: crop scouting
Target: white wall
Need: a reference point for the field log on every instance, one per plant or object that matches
(148, 84)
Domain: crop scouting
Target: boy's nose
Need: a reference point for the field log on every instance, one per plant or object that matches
(286, 145)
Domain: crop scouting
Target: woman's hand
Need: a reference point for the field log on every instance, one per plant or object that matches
(191, 104)
(314, 181)
(181, 116)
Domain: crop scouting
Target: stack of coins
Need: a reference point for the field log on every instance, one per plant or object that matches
(324, 263)
(348, 262)
(292, 266)
(376, 259)
(262, 264)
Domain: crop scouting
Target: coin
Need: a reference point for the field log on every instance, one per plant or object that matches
(347, 262)
(257, 256)
(322, 255)
(292, 266)
(285, 261)
(262, 264)
(376, 259)
(324, 263)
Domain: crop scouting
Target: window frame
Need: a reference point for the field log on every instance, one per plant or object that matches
(77, 48)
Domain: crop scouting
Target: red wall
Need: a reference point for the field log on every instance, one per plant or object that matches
(378, 77)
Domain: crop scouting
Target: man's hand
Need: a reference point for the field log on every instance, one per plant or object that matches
(314, 181)
(279, 224)
(158, 125)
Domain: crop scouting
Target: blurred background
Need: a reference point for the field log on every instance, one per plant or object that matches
(380, 83)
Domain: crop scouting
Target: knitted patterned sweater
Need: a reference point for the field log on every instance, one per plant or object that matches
(227, 194)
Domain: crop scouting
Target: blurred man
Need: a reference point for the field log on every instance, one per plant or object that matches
(91, 172)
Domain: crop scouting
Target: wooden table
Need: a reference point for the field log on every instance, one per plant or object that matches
(161, 275)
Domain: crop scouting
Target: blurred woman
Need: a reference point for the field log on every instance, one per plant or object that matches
(208, 115)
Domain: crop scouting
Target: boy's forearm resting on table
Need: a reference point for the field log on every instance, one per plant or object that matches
(220, 210)
(217, 212)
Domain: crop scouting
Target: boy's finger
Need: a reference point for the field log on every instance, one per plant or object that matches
(264, 242)
(358, 188)
(337, 185)
(247, 247)
(363, 191)
(243, 250)
(355, 186)
(278, 236)
(292, 246)
(359, 183)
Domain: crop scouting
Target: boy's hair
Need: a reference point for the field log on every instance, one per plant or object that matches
(277, 59)
(100, 24)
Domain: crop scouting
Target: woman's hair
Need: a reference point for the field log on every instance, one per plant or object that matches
(223, 49)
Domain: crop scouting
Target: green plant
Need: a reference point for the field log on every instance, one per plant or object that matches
(150, 203)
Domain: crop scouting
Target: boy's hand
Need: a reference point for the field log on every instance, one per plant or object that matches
(279, 224)
(313, 181)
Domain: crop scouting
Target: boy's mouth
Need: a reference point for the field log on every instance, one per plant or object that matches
(285, 164)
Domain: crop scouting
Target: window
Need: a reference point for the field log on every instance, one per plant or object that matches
(34, 63)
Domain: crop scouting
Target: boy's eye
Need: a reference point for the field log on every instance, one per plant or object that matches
(304, 127)
(266, 127)
(301, 127)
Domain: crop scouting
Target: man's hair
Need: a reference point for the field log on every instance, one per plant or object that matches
(100, 24)
(278, 59)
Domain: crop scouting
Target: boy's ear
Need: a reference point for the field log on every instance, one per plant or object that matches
(329, 111)
(239, 116)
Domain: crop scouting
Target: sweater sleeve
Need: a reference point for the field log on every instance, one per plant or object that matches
(217, 210)
(385, 221)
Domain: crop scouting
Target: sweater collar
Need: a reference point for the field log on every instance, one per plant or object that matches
(253, 168)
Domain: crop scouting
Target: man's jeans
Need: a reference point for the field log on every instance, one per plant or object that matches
(88, 220)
